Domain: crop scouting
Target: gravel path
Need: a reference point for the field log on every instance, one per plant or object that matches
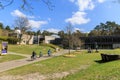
(17, 63)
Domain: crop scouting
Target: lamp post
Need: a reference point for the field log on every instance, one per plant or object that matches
(38, 39)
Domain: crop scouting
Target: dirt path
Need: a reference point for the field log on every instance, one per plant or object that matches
(17, 63)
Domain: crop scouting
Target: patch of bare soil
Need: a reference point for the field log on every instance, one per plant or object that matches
(37, 76)
(70, 56)
(34, 76)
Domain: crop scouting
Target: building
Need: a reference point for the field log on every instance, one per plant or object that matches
(45, 39)
(38, 39)
(103, 42)
(25, 38)
(31, 39)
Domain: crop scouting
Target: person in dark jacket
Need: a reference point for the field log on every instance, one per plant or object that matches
(33, 55)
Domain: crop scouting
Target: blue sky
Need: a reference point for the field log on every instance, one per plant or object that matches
(84, 15)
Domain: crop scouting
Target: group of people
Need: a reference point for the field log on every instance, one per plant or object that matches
(34, 55)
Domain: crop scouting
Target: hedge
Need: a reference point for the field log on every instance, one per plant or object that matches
(11, 40)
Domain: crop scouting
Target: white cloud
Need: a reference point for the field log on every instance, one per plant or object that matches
(32, 23)
(85, 5)
(18, 13)
(78, 18)
(36, 24)
(32, 17)
(53, 30)
(101, 1)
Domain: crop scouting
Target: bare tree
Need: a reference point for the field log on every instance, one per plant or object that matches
(72, 39)
(69, 29)
(22, 24)
(76, 39)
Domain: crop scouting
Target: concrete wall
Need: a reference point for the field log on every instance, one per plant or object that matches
(26, 38)
(49, 38)
(116, 45)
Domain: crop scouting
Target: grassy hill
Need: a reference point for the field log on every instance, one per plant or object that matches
(27, 49)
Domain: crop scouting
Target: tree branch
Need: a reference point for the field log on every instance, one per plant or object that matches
(25, 4)
(48, 3)
(2, 5)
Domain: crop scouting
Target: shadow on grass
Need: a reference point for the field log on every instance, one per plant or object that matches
(29, 60)
(45, 57)
(101, 61)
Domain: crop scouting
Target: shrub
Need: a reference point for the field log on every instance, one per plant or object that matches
(3, 38)
(10, 40)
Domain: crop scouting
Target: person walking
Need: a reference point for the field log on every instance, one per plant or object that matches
(49, 52)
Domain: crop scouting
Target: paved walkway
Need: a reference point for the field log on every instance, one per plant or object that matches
(17, 63)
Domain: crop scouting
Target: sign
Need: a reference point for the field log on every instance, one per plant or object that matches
(4, 48)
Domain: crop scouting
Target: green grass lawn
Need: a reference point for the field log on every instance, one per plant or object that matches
(27, 49)
(105, 71)
(92, 69)
(99, 71)
(9, 57)
(56, 64)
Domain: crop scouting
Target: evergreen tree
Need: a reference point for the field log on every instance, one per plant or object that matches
(7, 28)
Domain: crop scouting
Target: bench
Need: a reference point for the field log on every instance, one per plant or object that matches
(109, 57)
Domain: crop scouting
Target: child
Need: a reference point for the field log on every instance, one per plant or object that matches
(40, 55)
